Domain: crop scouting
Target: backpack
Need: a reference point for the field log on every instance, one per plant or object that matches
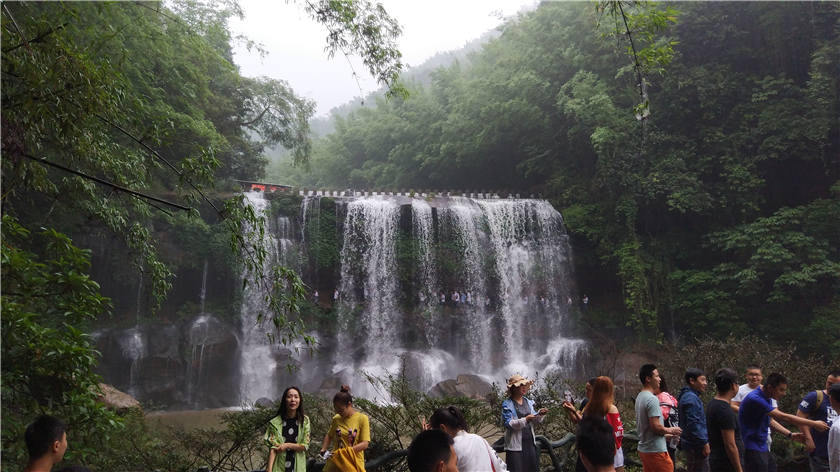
(673, 416)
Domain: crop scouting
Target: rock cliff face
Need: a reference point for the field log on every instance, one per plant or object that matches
(184, 365)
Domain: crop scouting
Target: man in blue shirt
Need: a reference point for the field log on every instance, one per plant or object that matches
(816, 406)
(754, 416)
(694, 441)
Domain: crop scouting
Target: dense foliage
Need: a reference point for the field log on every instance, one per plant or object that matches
(48, 361)
(718, 215)
(118, 120)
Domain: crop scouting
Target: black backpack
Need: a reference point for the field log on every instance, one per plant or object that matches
(673, 417)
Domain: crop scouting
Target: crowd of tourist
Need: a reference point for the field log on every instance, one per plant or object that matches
(730, 433)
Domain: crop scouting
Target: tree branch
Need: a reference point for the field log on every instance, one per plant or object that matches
(36, 39)
(154, 153)
(106, 183)
(258, 118)
(636, 64)
(17, 28)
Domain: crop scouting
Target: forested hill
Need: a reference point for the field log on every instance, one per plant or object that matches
(720, 215)
(420, 75)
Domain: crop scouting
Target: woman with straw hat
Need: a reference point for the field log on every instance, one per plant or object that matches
(518, 417)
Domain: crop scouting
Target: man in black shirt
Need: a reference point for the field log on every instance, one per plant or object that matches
(724, 434)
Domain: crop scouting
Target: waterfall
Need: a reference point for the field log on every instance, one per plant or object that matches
(197, 337)
(526, 239)
(511, 255)
(368, 277)
(465, 220)
(422, 231)
(310, 208)
(258, 364)
(203, 294)
(288, 255)
(133, 347)
(139, 300)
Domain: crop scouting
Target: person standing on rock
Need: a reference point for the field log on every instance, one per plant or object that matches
(349, 434)
(518, 418)
(287, 435)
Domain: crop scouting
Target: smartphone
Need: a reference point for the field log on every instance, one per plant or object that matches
(568, 396)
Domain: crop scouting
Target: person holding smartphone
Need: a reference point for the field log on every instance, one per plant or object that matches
(518, 418)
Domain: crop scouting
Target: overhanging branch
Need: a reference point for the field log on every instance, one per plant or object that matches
(106, 183)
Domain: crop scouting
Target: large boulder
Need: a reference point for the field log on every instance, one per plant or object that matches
(333, 383)
(466, 385)
(445, 388)
(117, 399)
(473, 386)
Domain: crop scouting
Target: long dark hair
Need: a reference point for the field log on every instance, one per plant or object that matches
(282, 411)
(451, 417)
(343, 397)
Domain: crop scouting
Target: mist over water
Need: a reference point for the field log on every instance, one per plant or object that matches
(511, 257)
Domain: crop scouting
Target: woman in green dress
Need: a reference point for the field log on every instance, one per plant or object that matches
(288, 435)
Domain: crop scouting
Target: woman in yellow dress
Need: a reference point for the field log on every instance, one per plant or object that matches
(349, 435)
(287, 435)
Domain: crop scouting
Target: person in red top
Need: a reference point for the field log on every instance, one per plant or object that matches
(602, 406)
(668, 404)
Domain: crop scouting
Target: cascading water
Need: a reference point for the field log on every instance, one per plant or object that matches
(258, 361)
(465, 219)
(133, 347)
(368, 280)
(203, 294)
(422, 231)
(511, 257)
(531, 259)
(288, 254)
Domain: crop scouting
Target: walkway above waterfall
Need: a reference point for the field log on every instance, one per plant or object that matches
(252, 186)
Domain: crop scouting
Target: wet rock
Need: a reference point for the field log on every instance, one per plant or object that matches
(264, 402)
(473, 386)
(446, 388)
(333, 383)
(212, 362)
(414, 369)
(466, 385)
(163, 341)
(117, 399)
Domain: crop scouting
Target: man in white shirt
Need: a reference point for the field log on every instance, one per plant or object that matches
(754, 378)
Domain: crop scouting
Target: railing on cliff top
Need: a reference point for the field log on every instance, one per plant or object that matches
(558, 462)
(248, 185)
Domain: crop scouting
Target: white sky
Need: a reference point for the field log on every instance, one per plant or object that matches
(295, 43)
